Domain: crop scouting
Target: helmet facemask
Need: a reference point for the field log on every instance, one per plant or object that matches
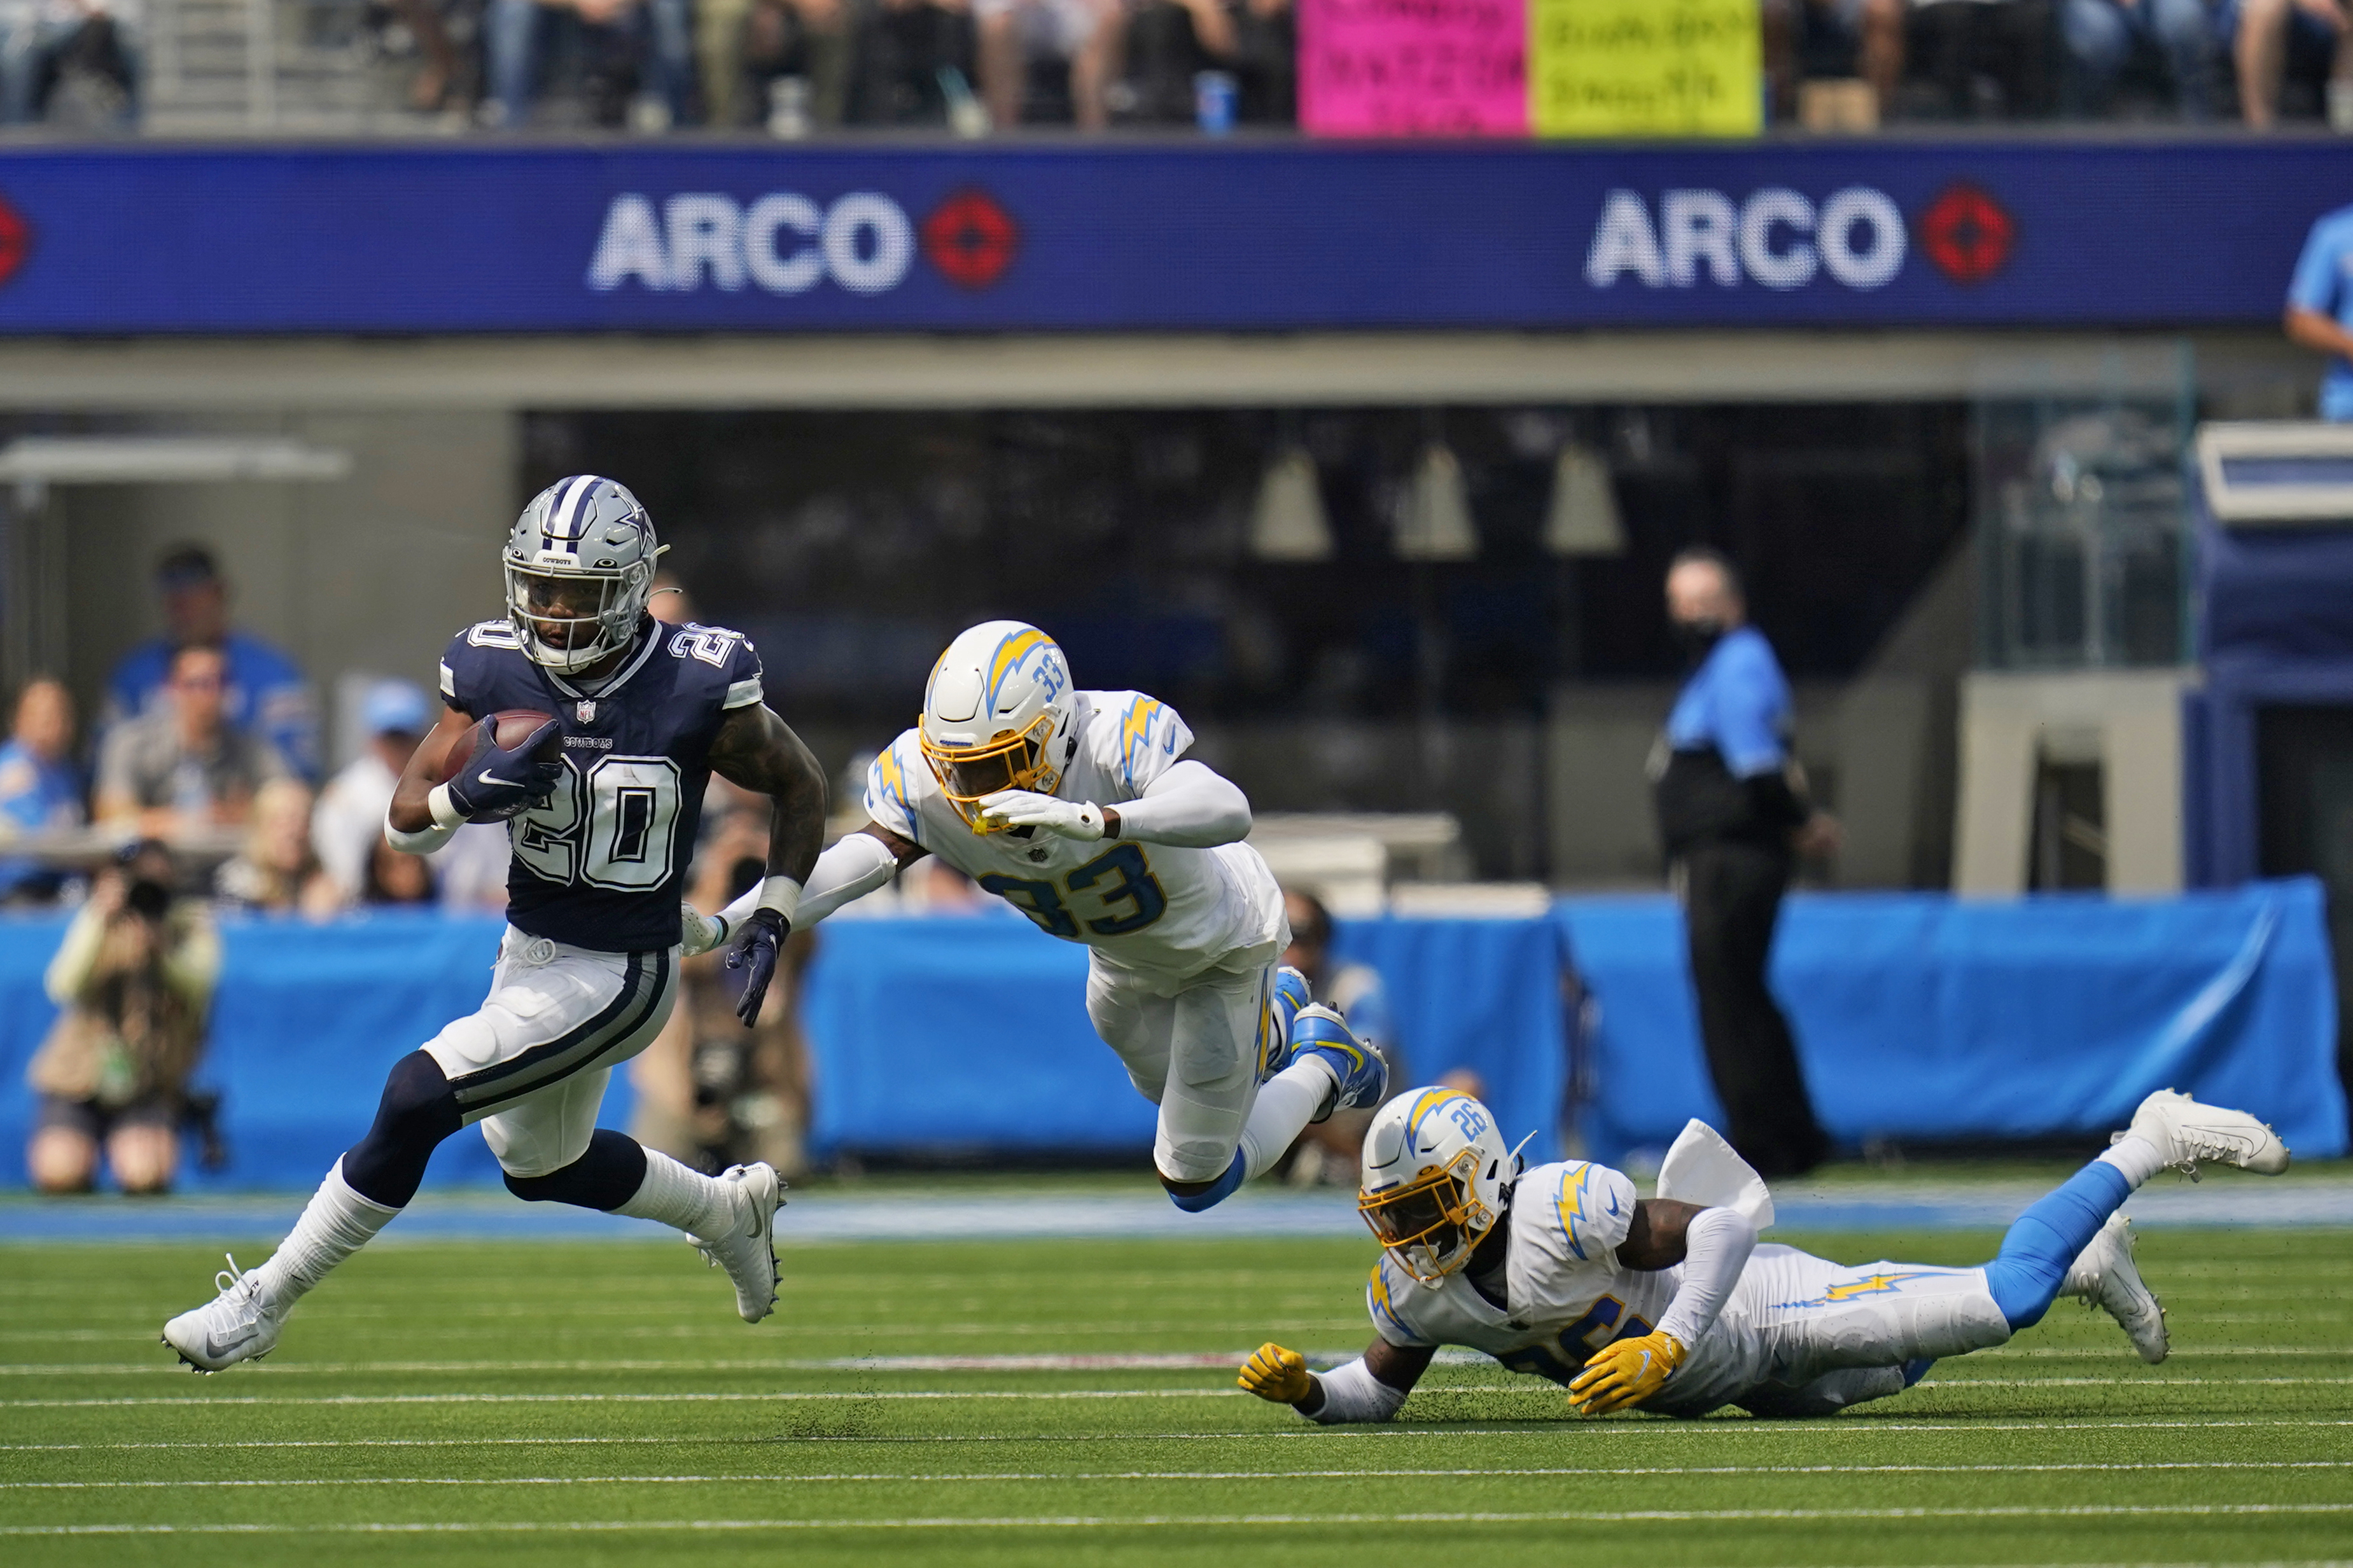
(1012, 759)
(1432, 1224)
(570, 618)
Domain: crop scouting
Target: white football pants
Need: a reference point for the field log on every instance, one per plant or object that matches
(1197, 1048)
(531, 1064)
(1798, 1326)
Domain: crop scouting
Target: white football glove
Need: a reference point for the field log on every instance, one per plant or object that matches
(698, 933)
(1027, 808)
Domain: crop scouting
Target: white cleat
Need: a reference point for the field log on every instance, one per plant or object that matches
(2185, 1132)
(748, 1251)
(237, 1325)
(2105, 1276)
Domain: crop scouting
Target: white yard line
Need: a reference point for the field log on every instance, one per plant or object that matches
(963, 1477)
(638, 1398)
(1612, 1431)
(1201, 1521)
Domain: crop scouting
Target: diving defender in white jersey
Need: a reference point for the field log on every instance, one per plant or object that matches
(586, 976)
(1081, 809)
(1672, 1305)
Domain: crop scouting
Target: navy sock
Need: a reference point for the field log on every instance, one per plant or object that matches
(2047, 1238)
(604, 1177)
(418, 1109)
(1217, 1192)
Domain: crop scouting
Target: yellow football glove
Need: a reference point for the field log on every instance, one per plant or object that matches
(1626, 1372)
(1277, 1375)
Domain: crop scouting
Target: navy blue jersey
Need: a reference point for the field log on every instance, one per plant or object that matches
(602, 863)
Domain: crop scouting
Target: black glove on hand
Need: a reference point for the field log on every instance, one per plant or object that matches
(499, 782)
(754, 953)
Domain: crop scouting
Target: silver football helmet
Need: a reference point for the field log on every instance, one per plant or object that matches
(579, 569)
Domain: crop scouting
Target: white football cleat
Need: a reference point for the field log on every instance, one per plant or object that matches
(2185, 1132)
(2105, 1276)
(237, 1325)
(748, 1251)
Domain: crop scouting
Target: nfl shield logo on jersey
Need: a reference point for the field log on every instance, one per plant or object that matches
(584, 712)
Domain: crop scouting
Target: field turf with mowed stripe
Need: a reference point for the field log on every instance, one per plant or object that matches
(573, 1404)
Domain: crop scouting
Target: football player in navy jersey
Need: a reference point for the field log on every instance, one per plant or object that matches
(602, 829)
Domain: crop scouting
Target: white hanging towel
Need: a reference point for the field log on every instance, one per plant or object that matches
(1702, 1168)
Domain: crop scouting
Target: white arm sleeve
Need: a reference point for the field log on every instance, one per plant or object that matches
(425, 840)
(1191, 806)
(1717, 1246)
(856, 865)
(1352, 1393)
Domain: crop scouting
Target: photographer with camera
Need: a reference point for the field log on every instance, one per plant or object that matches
(134, 976)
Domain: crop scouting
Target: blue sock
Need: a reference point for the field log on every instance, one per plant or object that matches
(2046, 1239)
(1218, 1191)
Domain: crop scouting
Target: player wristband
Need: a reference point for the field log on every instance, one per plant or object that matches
(781, 894)
(445, 816)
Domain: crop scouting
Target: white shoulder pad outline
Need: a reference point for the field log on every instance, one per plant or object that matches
(1588, 1209)
(1380, 1302)
(893, 789)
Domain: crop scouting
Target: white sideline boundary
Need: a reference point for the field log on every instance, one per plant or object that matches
(1204, 1521)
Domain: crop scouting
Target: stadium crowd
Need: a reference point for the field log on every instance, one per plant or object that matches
(800, 67)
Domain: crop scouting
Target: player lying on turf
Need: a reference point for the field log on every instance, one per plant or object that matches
(602, 801)
(1672, 1307)
(1081, 809)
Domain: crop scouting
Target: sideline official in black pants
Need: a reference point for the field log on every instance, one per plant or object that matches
(1734, 818)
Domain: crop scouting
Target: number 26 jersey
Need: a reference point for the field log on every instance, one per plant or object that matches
(602, 863)
(1164, 911)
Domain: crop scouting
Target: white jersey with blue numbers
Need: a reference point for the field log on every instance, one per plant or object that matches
(1162, 911)
(1569, 1294)
(603, 864)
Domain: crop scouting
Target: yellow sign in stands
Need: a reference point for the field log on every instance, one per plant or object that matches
(1645, 68)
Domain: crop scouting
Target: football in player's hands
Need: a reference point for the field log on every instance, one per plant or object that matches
(508, 762)
(1278, 1374)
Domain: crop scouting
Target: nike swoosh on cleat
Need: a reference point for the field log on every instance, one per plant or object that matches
(216, 1348)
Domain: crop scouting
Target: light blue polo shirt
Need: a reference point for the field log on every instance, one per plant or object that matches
(2323, 284)
(1737, 701)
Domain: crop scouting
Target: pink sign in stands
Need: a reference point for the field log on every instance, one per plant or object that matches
(1413, 67)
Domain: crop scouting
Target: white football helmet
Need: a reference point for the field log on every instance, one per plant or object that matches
(1434, 1174)
(580, 567)
(996, 715)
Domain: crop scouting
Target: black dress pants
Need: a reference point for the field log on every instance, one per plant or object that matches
(1732, 897)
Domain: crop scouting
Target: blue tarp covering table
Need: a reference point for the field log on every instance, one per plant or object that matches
(1919, 1017)
(1926, 1018)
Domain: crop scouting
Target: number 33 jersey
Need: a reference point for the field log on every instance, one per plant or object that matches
(1164, 911)
(602, 864)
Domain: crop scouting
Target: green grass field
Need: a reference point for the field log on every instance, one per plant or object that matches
(575, 1404)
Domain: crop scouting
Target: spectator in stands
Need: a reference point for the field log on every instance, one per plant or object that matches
(709, 1092)
(134, 978)
(747, 43)
(348, 822)
(181, 768)
(1989, 58)
(85, 50)
(428, 89)
(1329, 1150)
(1867, 33)
(40, 789)
(1163, 45)
(670, 602)
(393, 877)
(276, 873)
(1266, 62)
(2267, 36)
(265, 694)
(657, 35)
(2101, 35)
(2320, 307)
(909, 57)
(1083, 33)
(1732, 814)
